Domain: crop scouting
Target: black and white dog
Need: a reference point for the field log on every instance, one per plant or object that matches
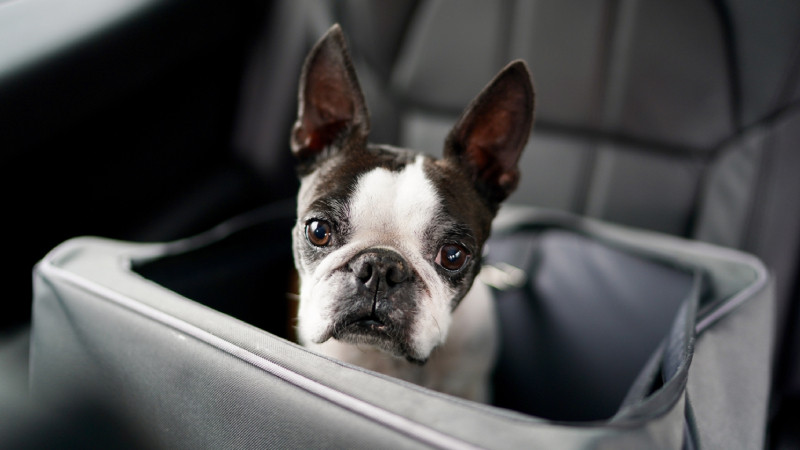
(388, 242)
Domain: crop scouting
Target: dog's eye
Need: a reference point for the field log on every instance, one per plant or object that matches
(318, 232)
(452, 257)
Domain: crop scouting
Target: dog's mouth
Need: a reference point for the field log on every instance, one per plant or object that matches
(366, 320)
(371, 324)
(372, 330)
(361, 328)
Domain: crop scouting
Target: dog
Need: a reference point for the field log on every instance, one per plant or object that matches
(388, 242)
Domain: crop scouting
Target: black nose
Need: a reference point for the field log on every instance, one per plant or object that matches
(380, 268)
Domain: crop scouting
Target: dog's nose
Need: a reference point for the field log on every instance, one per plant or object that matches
(380, 267)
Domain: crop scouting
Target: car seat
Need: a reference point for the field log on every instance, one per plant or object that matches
(663, 116)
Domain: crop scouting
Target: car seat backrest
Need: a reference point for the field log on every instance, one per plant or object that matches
(679, 116)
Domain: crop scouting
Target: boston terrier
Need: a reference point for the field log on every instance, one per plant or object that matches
(388, 242)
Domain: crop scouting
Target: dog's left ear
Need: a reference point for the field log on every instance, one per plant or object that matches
(331, 105)
(492, 132)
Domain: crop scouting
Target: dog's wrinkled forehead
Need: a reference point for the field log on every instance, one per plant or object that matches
(386, 193)
(394, 206)
(395, 194)
(335, 178)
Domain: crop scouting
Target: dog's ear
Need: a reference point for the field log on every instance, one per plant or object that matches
(490, 135)
(331, 104)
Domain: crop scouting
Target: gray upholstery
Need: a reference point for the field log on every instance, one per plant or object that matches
(109, 320)
(678, 116)
(575, 320)
(674, 116)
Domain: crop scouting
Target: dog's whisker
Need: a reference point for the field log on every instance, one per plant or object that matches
(438, 328)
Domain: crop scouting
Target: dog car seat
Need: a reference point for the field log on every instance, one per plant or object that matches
(150, 330)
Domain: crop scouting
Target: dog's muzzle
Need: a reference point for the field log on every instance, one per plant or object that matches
(381, 306)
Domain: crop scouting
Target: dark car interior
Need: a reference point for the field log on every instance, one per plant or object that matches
(155, 120)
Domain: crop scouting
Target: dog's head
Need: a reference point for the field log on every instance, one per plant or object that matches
(388, 241)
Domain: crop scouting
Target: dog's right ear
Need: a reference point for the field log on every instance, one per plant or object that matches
(331, 106)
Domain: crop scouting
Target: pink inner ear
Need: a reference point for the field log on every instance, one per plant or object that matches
(327, 111)
(494, 138)
(319, 138)
(329, 95)
(490, 134)
(328, 104)
(489, 138)
(332, 104)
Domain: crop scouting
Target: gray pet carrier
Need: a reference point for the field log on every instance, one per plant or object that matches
(612, 338)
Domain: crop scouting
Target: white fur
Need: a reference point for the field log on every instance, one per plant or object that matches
(461, 366)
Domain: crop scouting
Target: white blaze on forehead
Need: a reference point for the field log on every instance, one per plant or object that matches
(394, 207)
